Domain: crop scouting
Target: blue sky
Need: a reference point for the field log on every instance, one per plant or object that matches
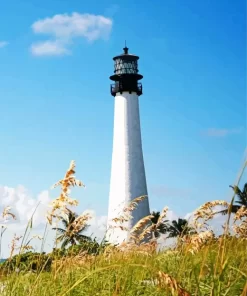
(56, 106)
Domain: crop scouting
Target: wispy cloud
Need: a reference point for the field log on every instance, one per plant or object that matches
(51, 48)
(221, 132)
(64, 29)
(3, 44)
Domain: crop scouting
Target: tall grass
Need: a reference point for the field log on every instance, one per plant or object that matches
(174, 272)
(200, 264)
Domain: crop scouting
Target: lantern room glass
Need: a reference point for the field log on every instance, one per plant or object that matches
(123, 66)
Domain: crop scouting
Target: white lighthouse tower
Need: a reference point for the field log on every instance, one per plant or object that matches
(128, 179)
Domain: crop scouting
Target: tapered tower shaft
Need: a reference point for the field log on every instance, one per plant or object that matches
(128, 179)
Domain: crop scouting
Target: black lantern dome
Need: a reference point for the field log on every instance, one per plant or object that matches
(126, 75)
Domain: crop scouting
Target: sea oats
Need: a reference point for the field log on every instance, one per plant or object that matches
(196, 241)
(134, 203)
(141, 223)
(13, 245)
(241, 213)
(167, 281)
(64, 199)
(206, 212)
(162, 216)
(7, 212)
(241, 217)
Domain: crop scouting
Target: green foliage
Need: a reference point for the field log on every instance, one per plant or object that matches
(241, 199)
(28, 261)
(180, 228)
(162, 228)
(87, 247)
(57, 253)
(71, 234)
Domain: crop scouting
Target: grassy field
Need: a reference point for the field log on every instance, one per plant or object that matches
(200, 264)
(141, 272)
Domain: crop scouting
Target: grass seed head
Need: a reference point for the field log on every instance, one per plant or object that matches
(166, 281)
(206, 212)
(7, 212)
(64, 199)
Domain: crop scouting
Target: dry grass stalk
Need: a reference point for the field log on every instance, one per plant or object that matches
(121, 227)
(138, 232)
(241, 216)
(122, 219)
(64, 199)
(241, 230)
(133, 246)
(134, 203)
(69, 179)
(6, 213)
(13, 245)
(80, 222)
(162, 216)
(148, 231)
(126, 216)
(141, 223)
(241, 213)
(125, 247)
(26, 248)
(206, 212)
(82, 259)
(196, 241)
(166, 281)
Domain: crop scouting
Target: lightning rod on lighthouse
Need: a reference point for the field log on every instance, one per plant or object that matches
(128, 178)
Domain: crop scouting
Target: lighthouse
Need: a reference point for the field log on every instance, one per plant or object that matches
(128, 178)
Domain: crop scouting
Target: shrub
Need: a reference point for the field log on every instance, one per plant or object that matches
(28, 261)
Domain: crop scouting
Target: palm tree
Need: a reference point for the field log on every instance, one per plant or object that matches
(180, 228)
(162, 227)
(72, 234)
(241, 199)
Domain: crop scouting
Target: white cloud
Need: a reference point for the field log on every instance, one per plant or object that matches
(3, 44)
(50, 48)
(64, 28)
(221, 132)
(23, 205)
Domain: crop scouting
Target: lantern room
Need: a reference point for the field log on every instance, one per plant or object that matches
(126, 74)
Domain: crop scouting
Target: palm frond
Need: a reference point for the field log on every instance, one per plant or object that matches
(155, 218)
(242, 201)
(65, 243)
(59, 229)
(245, 189)
(179, 228)
(64, 221)
(234, 210)
(163, 227)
